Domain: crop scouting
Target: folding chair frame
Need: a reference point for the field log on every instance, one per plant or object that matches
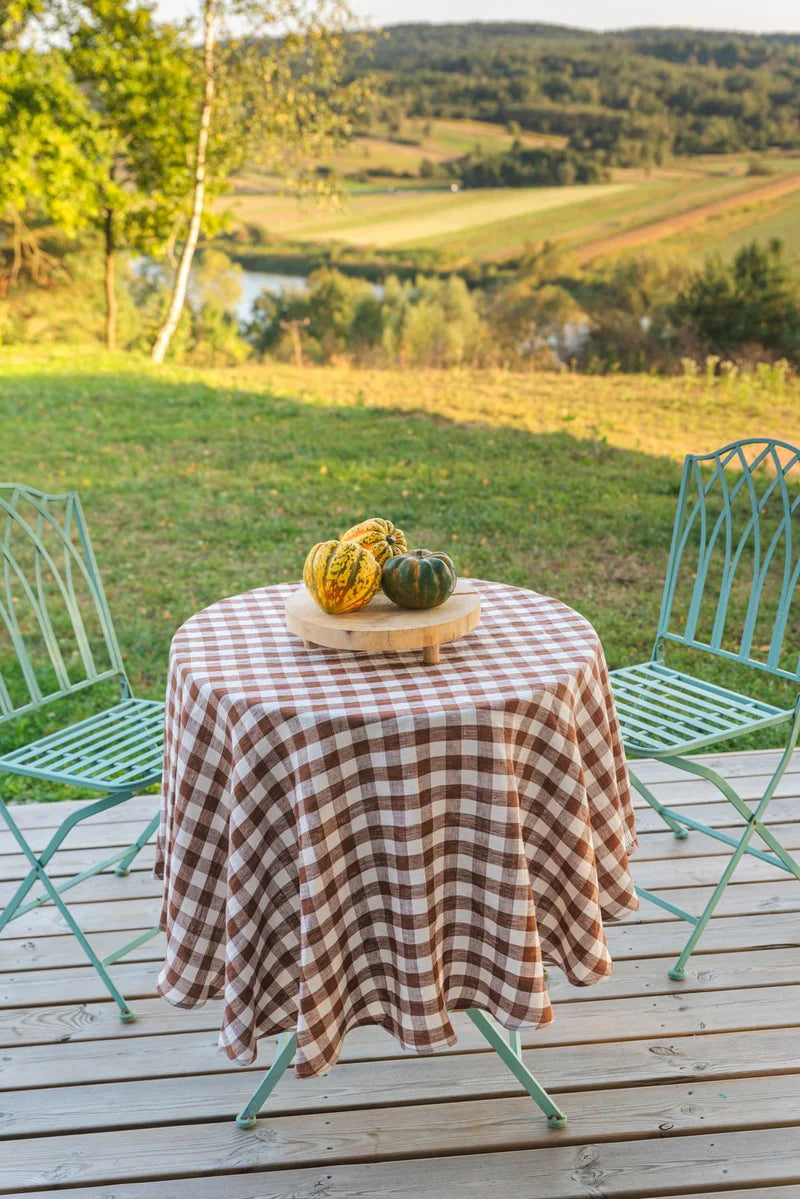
(53, 893)
(645, 738)
(53, 533)
(753, 818)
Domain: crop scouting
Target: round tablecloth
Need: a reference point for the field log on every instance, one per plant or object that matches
(351, 839)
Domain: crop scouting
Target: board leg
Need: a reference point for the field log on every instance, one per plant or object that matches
(310, 645)
(430, 655)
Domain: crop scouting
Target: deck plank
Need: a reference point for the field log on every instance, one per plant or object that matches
(706, 971)
(635, 1169)
(313, 1139)
(660, 939)
(191, 1052)
(602, 1019)
(130, 912)
(390, 1083)
(257, 1186)
(672, 1089)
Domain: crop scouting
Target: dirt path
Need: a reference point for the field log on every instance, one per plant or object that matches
(682, 221)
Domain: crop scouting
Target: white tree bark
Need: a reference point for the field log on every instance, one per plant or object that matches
(178, 298)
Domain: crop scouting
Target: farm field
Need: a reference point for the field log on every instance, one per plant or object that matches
(436, 140)
(691, 206)
(203, 484)
(697, 220)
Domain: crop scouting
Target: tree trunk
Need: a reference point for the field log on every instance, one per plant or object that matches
(111, 289)
(178, 299)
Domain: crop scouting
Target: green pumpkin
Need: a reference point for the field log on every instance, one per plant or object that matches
(419, 580)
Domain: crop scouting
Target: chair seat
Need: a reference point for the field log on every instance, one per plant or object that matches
(119, 748)
(661, 710)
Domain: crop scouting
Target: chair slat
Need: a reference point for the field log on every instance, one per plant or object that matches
(109, 735)
(125, 747)
(661, 709)
(40, 533)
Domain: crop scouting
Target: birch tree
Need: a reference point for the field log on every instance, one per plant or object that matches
(271, 90)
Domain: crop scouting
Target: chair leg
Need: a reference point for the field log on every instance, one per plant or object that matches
(510, 1051)
(678, 971)
(754, 824)
(658, 807)
(53, 894)
(124, 867)
(287, 1044)
(10, 910)
(126, 1014)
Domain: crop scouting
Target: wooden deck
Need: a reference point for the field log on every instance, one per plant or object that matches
(671, 1089)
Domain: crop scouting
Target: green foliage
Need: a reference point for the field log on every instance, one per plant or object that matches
(529, 322)
(213, 338)
(50, 141)
(629, 98)
(71, 307)
(139, 79)
(211, 329)
(216, 280)
(431, 322)
(521, 167)
(629, 308)
(752, 302)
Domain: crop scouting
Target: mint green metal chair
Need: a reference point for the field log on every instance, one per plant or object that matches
(733, 571)
(57, 641)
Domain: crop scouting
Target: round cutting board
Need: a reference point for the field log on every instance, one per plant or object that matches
(381, 627)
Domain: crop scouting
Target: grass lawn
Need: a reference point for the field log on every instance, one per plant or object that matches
(204, 484)
(496, 222)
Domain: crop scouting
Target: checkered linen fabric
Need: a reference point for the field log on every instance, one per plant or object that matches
(354, 839)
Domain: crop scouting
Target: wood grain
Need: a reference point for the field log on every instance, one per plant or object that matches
(381, 627)
(688, 1089)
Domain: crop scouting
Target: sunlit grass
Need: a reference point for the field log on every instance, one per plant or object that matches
(203, 484)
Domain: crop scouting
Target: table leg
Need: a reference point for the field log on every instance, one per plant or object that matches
(287, 1044)
(509, 1049)
(511, 1053)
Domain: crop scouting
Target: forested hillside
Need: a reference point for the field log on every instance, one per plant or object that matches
(630, 98)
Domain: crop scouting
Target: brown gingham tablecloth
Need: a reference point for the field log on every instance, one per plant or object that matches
(354, 839)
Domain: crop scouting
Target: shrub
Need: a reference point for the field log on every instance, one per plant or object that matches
(753, 301)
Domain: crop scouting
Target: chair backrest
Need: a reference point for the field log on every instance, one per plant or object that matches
(56, 635)
(734, 564)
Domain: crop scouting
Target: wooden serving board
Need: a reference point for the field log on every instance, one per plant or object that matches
(381, 627)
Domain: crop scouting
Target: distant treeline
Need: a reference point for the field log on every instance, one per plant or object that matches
(521, 167)
(628, 98)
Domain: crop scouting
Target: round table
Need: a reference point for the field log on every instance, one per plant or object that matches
(350, 839)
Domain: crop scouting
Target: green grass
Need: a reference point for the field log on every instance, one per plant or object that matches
(199, 485)
(499, 222)
(781, 219)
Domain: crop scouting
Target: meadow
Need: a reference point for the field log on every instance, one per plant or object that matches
(199, 484)
(688, 206)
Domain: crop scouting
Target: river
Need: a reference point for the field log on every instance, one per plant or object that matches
(254, 282)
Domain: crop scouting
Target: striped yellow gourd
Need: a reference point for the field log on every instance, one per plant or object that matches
(379, 536)
(341, 576)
